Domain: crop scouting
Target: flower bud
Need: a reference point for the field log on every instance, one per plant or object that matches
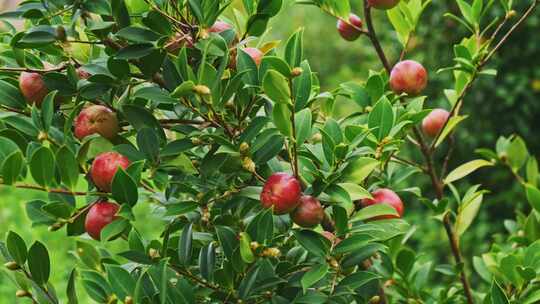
(272, 252)
(128, 300)
(201, 90)
(248, 164)
(42, 136)
(511, 14)
(296, 72)
(11, 265)
(244, 148)
(23, 294)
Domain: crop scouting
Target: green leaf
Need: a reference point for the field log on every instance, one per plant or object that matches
(517, 153)
(533, 196)
(355, 191)
(352, 243)
(11, 96)
(315, 274)
(148, 143)
(466, 169)
(114, 229)
(39, 263)
(137, 34)
(276, 87)
(302, 87)
(497, 294)
(185, 245)
(42, 166)
(245, 248)
(47, 110)
(373, 211)
(313, 242)
(294, 50)
(16, 248)
(67, 166)
(358, 169)
(302, 121)
(135, 51)
(281, 115)
(467, 212)
(357, 280)
(12, 167)
(261, 228)
(405, 260)
(532, 171)
(381, 118)
(124, 188)
(207, 262)
(121, 281)
(88, 254)
(452, 123)
(70, 288)
(227, 239)
(247, 284)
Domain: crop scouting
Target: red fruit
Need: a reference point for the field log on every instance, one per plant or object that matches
(33, 87)
(219, 26)
(409, 77)
(255, 54)
(384, 196)
(309, 212)
(383, 4)
(434, 122)
(350, 30)
(104, 168)
(281, 191)
(96, 119)
(100, 215)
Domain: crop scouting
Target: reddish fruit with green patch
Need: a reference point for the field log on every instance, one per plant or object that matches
(281, 192)
(104, 168)
(219, 26)
(33, 87)
(100, 215)
(96, 119)
(309, 212)
(351, 29)
(384, 196)
(435, 121)
(408, 76)
(255, 54)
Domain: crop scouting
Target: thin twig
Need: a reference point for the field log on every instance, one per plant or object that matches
(373, 37)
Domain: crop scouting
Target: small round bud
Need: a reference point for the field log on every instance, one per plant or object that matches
(317, 137)
(254, 245)
(153, 253)
(22, 293)
(511, 14)
(244, 148)
(296, 72)
(272, 252)
(368, 109)
(201, 90)
(229, 104)
(42, 136)
(333, 263)
(375, 300)
(11, 265)
(196, 141)
(248, 164)
(128, 300)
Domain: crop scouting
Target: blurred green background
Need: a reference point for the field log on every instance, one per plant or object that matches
(504, 105)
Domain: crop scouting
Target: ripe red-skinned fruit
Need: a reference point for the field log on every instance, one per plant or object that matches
(282, 192)
(104, 168)
(309, 212)
(100, 215)
(383, 4)
(96, 119)
(219, 26)
(350, 30)
(33, 87)
(385, 196)
(408, 76)
(255, 54)
(434, 122)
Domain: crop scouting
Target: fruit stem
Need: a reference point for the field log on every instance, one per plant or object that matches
(373, 37)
